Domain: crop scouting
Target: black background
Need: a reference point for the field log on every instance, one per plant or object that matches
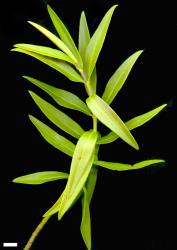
(134, 210)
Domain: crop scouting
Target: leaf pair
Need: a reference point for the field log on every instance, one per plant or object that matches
(59, 118)
(59, 65)
(53, 138)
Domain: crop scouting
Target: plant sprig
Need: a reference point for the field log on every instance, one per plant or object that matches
(79, 65)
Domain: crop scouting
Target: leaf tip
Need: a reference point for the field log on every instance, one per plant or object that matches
(60, 215)
(141, 51)
(26, 77)
(30, 22)
(15, 180)
(31, 93)
(31, 117)
(82, 13)
(136, 146)
(114, 7)
(48, 7)
(164, 105)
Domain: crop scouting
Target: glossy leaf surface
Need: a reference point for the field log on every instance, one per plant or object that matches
(132, 124)
(109, 118)
(59, 118)
(81, 164)
(56, 64)
(53, 138)
(118, 79)
(62, 97)
(45, 51)
(41, 177)
(56, 40)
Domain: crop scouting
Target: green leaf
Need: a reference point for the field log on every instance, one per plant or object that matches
(93, 81)
(45, 51)
(92, 178)
(84, 39)
(133, 123)
(53, 138)
(84, 35)
(118, 79)
(141, 119)
(56, 64)
(147, 163)
(86, 223)
(123, 167)
(59, 118)
(81, 164)
(109, 118)
(96, 43)
(41, 177)
(65, 35)
(57, 41)
(91, 183)
(62, 97)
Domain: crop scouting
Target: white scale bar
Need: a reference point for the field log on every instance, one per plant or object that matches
(13, 244)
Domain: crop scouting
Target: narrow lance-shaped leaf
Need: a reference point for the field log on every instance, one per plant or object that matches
(56, 64)
(91, 183)
(41, 177)
(57, 41)
(81, 164)
(58, 117)
(92, 178)
(132, 124)
(84, 39)
(109, 118)
(62, 97)
(118, 79)
(96, 43)
(93, 80)
(53, 138)
(124, 167)
(45, 51)
(86, 223)
(64, 34)
(84, 35)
